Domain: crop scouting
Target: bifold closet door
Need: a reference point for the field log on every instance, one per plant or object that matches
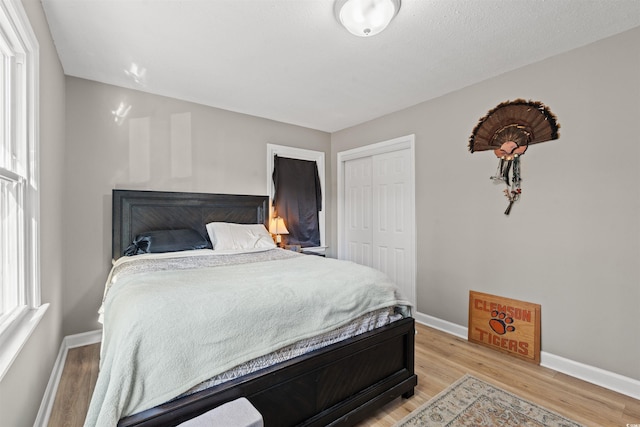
(392, 231)
(358, 210)
(378, 229)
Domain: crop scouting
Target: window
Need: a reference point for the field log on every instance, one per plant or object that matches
(301, 154)
(19, 210)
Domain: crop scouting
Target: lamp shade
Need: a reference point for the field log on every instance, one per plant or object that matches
(366, 18)
(276, 226)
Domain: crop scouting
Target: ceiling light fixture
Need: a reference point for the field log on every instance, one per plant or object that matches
(366, 18)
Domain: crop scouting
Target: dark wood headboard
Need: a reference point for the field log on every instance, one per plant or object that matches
(135, 212)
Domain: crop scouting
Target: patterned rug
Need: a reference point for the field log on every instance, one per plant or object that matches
(470, 402)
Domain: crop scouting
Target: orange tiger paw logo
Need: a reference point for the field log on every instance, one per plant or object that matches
(501, 323)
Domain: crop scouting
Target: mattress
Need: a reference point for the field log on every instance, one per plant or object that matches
(365, 323)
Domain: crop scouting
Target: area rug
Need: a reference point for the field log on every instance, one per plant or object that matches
(472, 402)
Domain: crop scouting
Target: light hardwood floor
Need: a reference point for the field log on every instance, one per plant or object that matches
(441, 359)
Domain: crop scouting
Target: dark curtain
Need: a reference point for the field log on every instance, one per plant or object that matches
(298, 199)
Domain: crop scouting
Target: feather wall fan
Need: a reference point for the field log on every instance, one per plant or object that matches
(508, 130)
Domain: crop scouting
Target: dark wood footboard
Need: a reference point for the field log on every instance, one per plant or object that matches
(338, 385)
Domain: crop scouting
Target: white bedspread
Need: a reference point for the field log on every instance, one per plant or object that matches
(166, 331)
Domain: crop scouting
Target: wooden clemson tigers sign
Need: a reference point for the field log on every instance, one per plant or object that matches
(505, 324)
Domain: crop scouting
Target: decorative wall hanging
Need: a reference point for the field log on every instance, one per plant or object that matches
(508, 130)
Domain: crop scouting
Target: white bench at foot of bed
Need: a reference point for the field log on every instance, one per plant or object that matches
(237, 413)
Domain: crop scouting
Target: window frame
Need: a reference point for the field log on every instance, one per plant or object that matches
(20, 98)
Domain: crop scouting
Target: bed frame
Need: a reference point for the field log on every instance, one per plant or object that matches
(338, 385)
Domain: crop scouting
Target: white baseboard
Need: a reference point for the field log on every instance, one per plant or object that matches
(441, 325)
(70, 341)
(592, 374)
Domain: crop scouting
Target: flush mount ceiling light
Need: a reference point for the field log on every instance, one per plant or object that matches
(366, 18)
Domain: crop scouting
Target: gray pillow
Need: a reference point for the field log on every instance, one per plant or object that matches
(167, 241)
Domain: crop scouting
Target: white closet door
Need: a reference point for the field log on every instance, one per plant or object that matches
(392, 223)
(378, 214)
(358, 221)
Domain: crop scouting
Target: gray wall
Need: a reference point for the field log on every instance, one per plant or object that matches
(228, 155)
(22, 388)
(572, 242)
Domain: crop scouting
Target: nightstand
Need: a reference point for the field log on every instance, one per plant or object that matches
(322, 254)
(317, 252)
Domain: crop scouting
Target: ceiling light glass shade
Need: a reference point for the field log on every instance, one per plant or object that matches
(366, 18)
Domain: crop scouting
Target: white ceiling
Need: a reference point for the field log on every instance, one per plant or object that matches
(290, 60)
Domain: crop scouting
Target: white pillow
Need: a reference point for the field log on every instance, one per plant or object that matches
(226, 235)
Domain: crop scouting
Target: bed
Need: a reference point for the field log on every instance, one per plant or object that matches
(340, 383)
